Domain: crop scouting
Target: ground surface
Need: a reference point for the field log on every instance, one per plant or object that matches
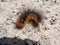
(48, 32)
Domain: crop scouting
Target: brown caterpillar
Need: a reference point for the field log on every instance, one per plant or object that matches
(29, 17)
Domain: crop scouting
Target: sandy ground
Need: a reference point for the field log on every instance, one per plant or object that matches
(48, 32)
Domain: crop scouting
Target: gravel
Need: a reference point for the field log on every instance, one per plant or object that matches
(48, 32)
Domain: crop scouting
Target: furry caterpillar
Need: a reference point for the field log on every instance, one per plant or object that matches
(29, 17)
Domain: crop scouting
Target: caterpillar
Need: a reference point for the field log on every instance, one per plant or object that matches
(28, 17)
